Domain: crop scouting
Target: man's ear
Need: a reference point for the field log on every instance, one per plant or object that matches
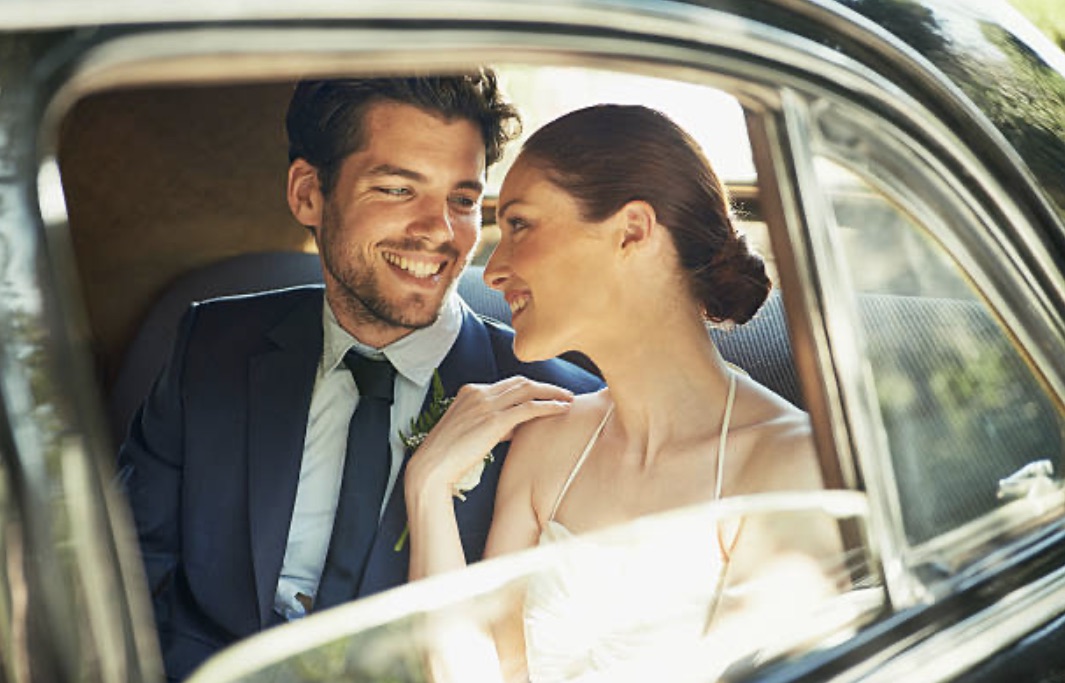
(638, 224)
(304, 194)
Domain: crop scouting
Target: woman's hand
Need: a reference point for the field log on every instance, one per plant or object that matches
(481, 416)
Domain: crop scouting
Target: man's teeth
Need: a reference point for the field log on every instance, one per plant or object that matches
(421, 269)
(518, 304)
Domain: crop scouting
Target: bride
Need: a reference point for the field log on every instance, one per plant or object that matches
(616, 242)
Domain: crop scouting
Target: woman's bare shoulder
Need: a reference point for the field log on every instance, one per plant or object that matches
(544, 450)
(780, 453)
(553, 434)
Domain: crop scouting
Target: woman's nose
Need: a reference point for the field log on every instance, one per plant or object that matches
(496, 271)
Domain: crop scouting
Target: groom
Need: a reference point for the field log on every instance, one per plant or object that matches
(244, 479)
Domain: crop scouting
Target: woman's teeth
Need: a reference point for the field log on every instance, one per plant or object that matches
(518, 304)
(417, 268)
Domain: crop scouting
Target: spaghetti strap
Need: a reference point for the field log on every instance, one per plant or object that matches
(723, 439)
(726, 548)
(580, 461)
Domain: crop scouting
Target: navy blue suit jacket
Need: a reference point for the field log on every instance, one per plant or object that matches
(212, 462)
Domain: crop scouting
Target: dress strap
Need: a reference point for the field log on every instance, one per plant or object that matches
(723, 439)
(580, 461)
(725, 547)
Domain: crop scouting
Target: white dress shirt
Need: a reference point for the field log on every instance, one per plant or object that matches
(333, 402)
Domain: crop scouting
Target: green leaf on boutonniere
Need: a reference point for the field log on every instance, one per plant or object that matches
(420, 428)
(424, 423)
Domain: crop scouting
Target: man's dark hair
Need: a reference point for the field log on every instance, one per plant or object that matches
(324, 120)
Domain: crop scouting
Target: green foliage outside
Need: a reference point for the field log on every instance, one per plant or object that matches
(1048, 15)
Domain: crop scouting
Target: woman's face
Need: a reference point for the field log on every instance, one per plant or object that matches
(552, 266)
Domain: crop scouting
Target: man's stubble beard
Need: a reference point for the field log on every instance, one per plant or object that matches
(359, 291)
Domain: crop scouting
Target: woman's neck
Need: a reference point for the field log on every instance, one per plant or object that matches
(668, 383)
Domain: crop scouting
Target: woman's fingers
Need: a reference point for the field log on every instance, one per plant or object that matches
(511, 391)
(496, 409)
(518, 414)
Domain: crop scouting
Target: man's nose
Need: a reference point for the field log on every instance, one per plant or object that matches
(435, 221)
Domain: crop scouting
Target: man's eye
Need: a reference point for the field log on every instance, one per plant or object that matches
(517, 224)
(464, 202)
(394, 191)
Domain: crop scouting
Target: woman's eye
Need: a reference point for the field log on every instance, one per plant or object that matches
(517, 224)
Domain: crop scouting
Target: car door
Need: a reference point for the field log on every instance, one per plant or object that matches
(918, 257)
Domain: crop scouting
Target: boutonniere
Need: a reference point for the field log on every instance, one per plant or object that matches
(420, 428)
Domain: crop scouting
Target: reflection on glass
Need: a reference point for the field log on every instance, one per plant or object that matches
(642, 601)
(961, 408)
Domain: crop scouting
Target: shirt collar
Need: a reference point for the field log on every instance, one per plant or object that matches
(414, 356)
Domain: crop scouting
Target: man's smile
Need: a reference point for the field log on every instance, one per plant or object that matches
(418, 266)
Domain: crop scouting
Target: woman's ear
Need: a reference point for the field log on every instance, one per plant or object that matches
(304, 194)
(639, 223)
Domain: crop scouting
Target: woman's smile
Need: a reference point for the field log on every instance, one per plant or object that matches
(517, 302)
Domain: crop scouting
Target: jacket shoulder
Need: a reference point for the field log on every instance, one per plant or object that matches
(280, 300)
(243, 319)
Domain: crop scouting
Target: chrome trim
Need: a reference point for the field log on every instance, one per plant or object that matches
(894, 54)
(963, 551)
(951, 652)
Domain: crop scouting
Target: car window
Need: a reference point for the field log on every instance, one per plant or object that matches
(715, 119)
(447, 628)
(968, 424)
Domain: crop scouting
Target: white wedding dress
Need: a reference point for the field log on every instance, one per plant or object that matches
(605, 607)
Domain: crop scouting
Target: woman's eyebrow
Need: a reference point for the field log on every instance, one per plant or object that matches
(503, 208)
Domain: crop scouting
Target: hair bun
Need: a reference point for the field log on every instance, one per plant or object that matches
(733, 285)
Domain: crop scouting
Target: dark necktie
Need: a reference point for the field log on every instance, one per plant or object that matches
(362, 488)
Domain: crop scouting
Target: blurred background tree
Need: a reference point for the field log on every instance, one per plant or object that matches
(1048, 15)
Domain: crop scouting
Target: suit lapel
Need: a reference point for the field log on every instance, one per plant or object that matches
(470, 360)
(280, 382)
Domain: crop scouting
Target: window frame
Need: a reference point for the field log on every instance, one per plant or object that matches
(774, 76)
(744, 57)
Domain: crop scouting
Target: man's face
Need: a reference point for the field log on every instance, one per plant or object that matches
(400, 223)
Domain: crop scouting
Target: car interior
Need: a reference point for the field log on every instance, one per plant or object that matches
(175, 194)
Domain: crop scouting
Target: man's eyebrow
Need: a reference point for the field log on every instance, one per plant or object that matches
(475, 185)
(390, 170)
